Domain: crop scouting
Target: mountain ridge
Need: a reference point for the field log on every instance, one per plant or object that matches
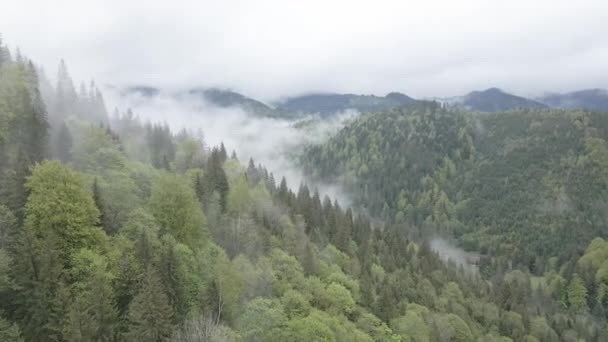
(327, 104)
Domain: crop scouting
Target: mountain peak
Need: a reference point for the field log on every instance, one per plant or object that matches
(496, 100)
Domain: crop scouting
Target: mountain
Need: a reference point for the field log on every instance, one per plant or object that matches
(145, 91)
(327, 104)
(489, 100)
(219, 97)
(591, 99)
(145, 234)
(513, 183)
(496, 100)
(227, 98)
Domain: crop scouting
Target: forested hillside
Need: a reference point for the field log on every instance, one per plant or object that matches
(526, 188)
(114, 229)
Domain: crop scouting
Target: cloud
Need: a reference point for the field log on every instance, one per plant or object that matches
(272, 48)
(268, 141)
(449, 252)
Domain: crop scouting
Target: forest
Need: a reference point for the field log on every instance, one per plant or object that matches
(113, 228)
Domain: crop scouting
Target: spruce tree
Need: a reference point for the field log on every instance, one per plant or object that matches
(63, 144)
(150, 314)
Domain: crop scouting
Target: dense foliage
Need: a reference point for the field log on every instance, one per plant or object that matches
(112, 229)
(526, 188)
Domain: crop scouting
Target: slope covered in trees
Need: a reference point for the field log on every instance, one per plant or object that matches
(591, 99)
(330, 104)
(131, 232)
(526, 188)
(514, 175)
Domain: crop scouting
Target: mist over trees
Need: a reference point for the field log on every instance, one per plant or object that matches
(117, 229)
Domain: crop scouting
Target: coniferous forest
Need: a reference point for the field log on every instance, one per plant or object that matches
(113, 228)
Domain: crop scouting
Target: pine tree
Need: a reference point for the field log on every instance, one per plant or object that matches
(40, 279)
(17, 191)
(5, 55)
(214, 179)
(199, 188)
(252, 173)
(223, 155)
(65, 104)
(8, 227)
(9, 332)
(577, 295)
(150, 313)
(63, 144)
(91, 315)
(98, 199)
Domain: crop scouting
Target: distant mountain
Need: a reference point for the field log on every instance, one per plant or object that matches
(496, 100)
(227, 98)
(215, 96)
(591, 99)
(326, 104)
(141, 90)
(489, 100)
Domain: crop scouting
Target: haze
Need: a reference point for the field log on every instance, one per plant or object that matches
(269, 141)
(270, 49)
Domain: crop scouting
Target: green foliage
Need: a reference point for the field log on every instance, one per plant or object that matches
(61, 204)
(9, 332)
(411, 327)
(150, 315)
(577, 295)
(433, 168)
(341, 300)
(310, 328)
(284, 266)
(262, 320)
(176, 210)
(91, 315)
(295, 304)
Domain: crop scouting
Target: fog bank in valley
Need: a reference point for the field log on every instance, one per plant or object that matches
(449, 252)
(269, 141)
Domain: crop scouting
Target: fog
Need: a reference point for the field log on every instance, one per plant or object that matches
(449, 252)
(270, 48)
(271, 142)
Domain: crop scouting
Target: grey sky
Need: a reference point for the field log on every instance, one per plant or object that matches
(273, 48)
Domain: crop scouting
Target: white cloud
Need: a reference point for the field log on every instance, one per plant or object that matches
(268, 141)
(272, 48)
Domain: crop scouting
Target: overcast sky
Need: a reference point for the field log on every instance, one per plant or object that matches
(273, 48)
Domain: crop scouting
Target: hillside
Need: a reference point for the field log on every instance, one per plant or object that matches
(132, 232)
(591, 99)
(214, 96)
(521, 187)
(328, 104)
(228, 98)
(496, 100)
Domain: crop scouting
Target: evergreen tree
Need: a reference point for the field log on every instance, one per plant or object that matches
(98, 200)
(65, 102)
(63, 144)
(150, 314)
(252, 173)
(91, 315)
(40, 278)
(9, 332)
(214, 178)
(223, 155)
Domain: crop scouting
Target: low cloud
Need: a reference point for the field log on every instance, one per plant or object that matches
(269, 141)
(449, 252)
(270, 48)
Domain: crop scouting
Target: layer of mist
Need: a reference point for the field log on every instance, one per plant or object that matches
(449, 252)
(269, 141)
